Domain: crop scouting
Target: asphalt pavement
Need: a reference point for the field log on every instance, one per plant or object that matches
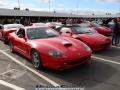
(101, 73)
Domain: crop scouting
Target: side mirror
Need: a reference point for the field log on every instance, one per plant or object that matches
(90, 26)
(20, 36)
(60, 33)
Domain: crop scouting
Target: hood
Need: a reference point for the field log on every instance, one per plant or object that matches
(102, 28)
(93, 38)
(69, 46)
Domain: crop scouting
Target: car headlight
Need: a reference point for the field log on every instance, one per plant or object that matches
(57, 54)
(86, 47)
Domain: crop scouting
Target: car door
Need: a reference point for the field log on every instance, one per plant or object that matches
(1, 29)
(65, 31)
(20, 43)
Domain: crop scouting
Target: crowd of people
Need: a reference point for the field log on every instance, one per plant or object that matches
(116, 26)
(27, 21)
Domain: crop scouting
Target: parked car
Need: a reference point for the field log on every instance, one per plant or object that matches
(101, 29)
(8, 28)
(108, 23)
(94, 40)
(1, 29)
(46, 48)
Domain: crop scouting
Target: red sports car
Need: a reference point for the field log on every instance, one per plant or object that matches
(46, 48)
(101, 29)
(1, 29)
(94, 40)
(8, 28)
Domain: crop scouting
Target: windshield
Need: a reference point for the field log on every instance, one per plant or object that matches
(83, 30)
(95, 25)
(38, 33)
(14, 25)
(40, 24)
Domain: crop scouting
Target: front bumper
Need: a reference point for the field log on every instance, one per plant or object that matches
(68, 63)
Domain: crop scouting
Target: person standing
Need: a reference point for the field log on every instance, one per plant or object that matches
(22, 21)
(25, 22)
(118, 37)
(115, 32)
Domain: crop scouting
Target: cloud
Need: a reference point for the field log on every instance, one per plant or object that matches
(81, 11)
(61, 5)
(16, 4)
(107, 0)
(45, 0)
(4, 3)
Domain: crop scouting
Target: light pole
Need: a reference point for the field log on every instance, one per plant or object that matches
(77, 7)
(18, 3)
(119, 8)
(49, 6)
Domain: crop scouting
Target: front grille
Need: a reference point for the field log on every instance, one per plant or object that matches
(106, 44)
(77, 62)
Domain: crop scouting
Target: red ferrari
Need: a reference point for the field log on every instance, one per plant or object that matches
(8, 28)
(101, 29)
(46, 48)
(94, 40)
(1, 29)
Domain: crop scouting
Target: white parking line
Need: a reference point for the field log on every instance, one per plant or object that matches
(106, 60)
(115, 47)
(30, 69)
(11, 85)
(6, 50)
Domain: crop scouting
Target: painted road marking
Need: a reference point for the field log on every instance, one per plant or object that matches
(106, 60)
(6, 50)
(115, 47)
(32, 70)
(11, 85)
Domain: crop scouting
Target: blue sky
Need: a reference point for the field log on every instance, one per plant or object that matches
(66, 6)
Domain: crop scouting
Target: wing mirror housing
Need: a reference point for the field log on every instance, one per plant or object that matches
(20, 36)
(60, 33)
(90, 26)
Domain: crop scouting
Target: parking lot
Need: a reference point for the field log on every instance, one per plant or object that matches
(101, 73)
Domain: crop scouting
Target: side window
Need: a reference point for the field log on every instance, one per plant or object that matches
(1, 27)
(21, 31)
(65, 29)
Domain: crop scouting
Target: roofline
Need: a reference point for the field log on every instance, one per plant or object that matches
(12, 12)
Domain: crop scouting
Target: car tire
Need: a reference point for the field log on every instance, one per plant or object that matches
(3, 39)
(11, 47)
(36, 60)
